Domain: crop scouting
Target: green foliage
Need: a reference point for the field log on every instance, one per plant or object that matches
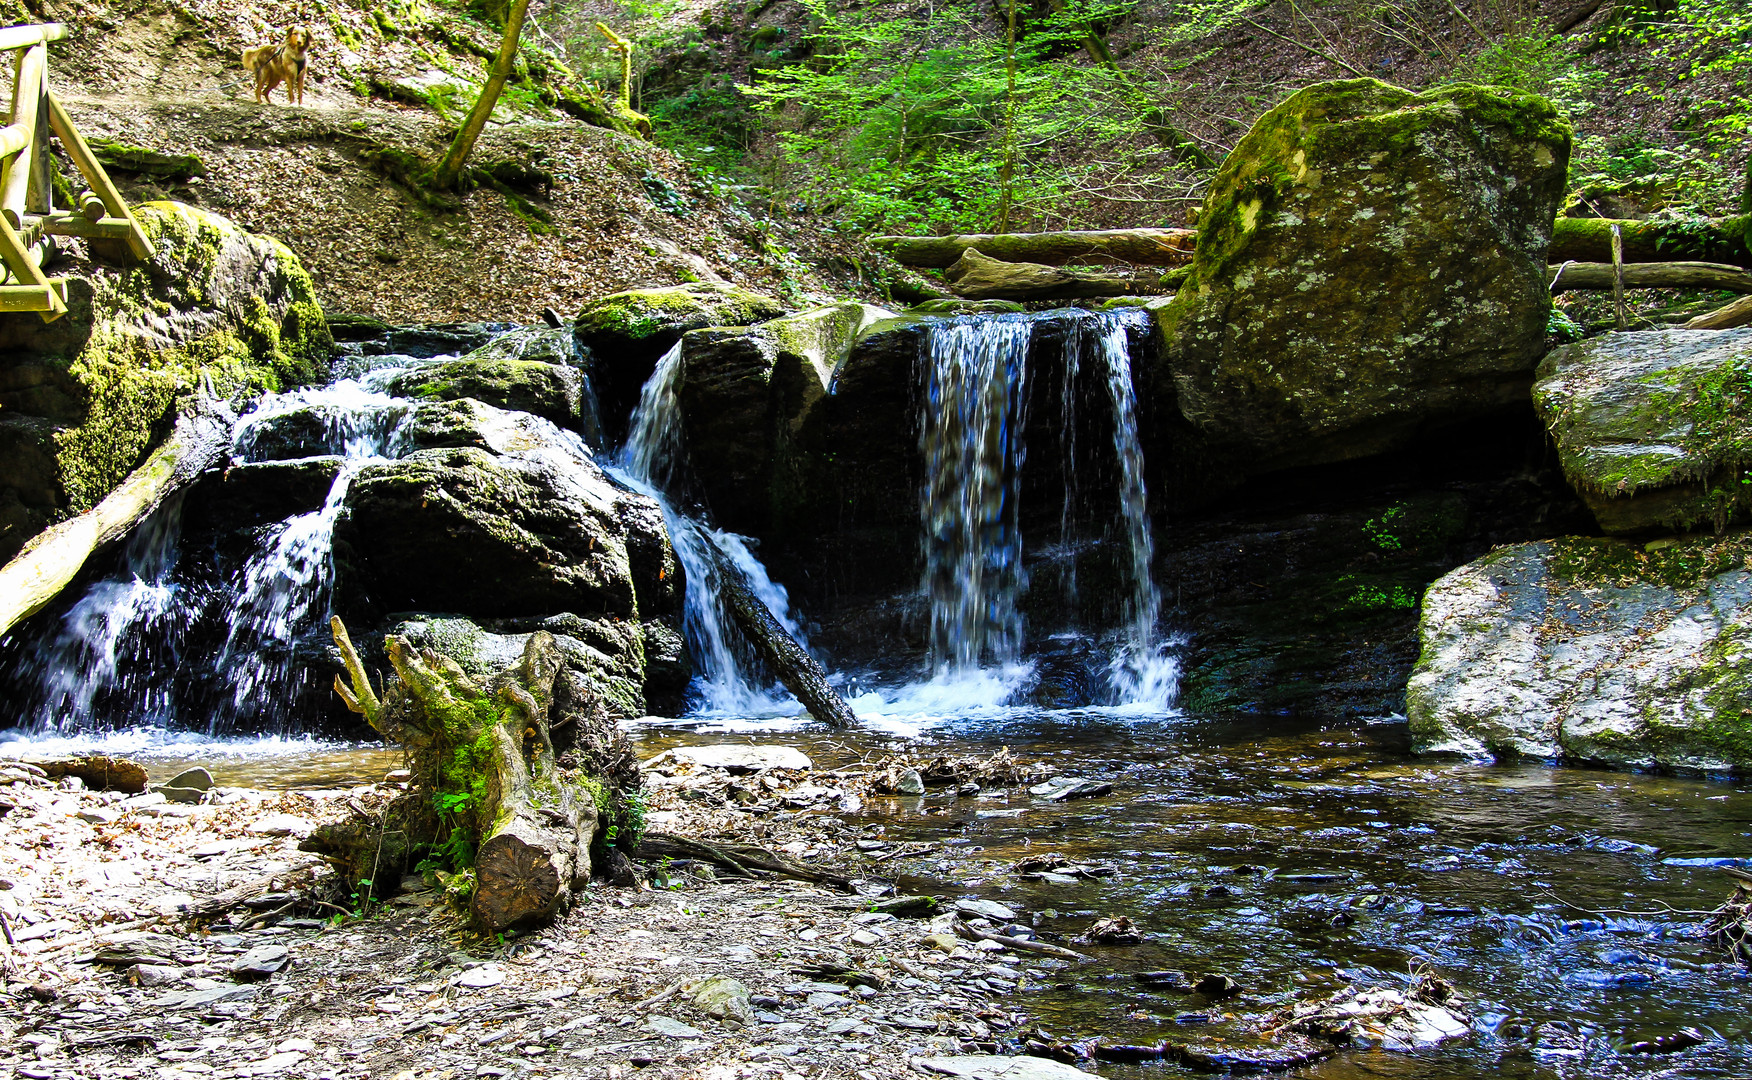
(1560, 326)
(897, 124)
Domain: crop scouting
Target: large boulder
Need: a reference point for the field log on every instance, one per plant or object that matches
(84, 399)
(1369, 261)
(551, 391)
(608, 654)
(1654, 428)
(514, 521)
(626, 333)
(744, 396)
(1591, 650)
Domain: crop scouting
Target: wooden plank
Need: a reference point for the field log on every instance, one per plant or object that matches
(70, 224)
(39, 195)
(34, 297)
(27, 91)
(13, 251)
(92, 170)
(13, 138)
(1651, 275)
(22, 37)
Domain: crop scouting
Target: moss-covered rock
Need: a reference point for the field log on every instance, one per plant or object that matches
(213, 306)
(1369, 260)
(609, 655)
(550, 391)
(626, 332)
(1654, 428)
(744, 396)
(1591, 650)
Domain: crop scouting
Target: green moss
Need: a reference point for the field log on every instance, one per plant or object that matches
(640, 313)
(1684, 564)
(144, 160)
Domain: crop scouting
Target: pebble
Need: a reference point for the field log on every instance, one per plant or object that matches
(100, 815)
(260, 962)
(671, 1028)
(479, 978)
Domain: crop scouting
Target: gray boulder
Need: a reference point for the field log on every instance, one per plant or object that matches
(554, 392)
(1654, 428)
(1591, 650)
(1369, 261)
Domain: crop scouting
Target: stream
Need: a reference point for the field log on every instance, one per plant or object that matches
(1291, 857)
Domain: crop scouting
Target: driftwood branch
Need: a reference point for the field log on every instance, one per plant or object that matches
(1738, 313)
(976, 277)
(789, 660)
(1146, 247)
(51, 560)
(740, 858)
(1656, 275)
(1021, 944)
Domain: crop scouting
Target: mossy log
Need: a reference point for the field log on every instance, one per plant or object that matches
(1658, 275)
(489, 777)
(1590, 240)
(1147, 247)
(53, 558)
(1738, 313)
(741, 859)
(789, 660)
(976, 277)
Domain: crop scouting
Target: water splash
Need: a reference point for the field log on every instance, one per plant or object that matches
(725, 683)
(1141, 672)
(132, 616)
(971, 437)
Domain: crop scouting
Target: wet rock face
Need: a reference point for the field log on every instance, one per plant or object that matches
(1369, 260)
(508, 526)
(745, 397)
(627, 332)
(552, 391)
(86, 397)
(1591, 650)
(1654, 428)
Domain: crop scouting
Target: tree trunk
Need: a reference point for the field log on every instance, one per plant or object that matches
(450, 169)
(1590, 240)
(492, 794)
(52, 559)
(1668, 275)
(1738, 313)
(788, 659)
(1148, 247)
(976, 277)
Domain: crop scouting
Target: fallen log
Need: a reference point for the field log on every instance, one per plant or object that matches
(1021, 944)
(99, 772)
(492, 795)
(1659, 275)
(792, 663)
(977, 277)
(1149, 247)
(1590, 240)
(53, 558)
(744, 859)
(1738, 313)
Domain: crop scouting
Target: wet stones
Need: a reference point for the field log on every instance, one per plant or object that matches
(1066, 788)
(737, 759)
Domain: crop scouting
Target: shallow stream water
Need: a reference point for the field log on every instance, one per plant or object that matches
(1293, 857)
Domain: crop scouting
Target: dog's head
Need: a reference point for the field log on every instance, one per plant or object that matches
(298, 40)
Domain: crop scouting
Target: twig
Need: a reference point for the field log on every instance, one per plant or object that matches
(1667, 909)
(659, 997)
(1022, 944)
(1328, 57)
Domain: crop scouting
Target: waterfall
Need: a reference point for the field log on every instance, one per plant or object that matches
(1141, 672)
(971, 437)
(650, 462)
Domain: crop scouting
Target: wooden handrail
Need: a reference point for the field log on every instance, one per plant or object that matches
(28, 217)
(23, 37)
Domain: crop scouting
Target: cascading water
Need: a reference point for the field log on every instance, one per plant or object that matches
(724, 681)
(974, 414)
(972, 445)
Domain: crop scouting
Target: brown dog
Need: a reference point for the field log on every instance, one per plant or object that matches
(283, 63)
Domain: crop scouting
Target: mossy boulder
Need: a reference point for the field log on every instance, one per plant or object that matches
(92, 393)
(1591, 650)
(551, 391)
(1654, 428)
(533, 530)
(626, 333)
(744, 397)
(1369, 261)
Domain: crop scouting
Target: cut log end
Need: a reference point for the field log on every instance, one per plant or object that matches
(521, 879)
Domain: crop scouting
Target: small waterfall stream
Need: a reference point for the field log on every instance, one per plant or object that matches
(651, 461)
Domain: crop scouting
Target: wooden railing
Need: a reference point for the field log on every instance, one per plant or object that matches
(28, 217)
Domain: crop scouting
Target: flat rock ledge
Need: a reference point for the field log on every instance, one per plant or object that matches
(1591, 650)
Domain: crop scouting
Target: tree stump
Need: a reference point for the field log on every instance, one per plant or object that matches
(497, 795)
